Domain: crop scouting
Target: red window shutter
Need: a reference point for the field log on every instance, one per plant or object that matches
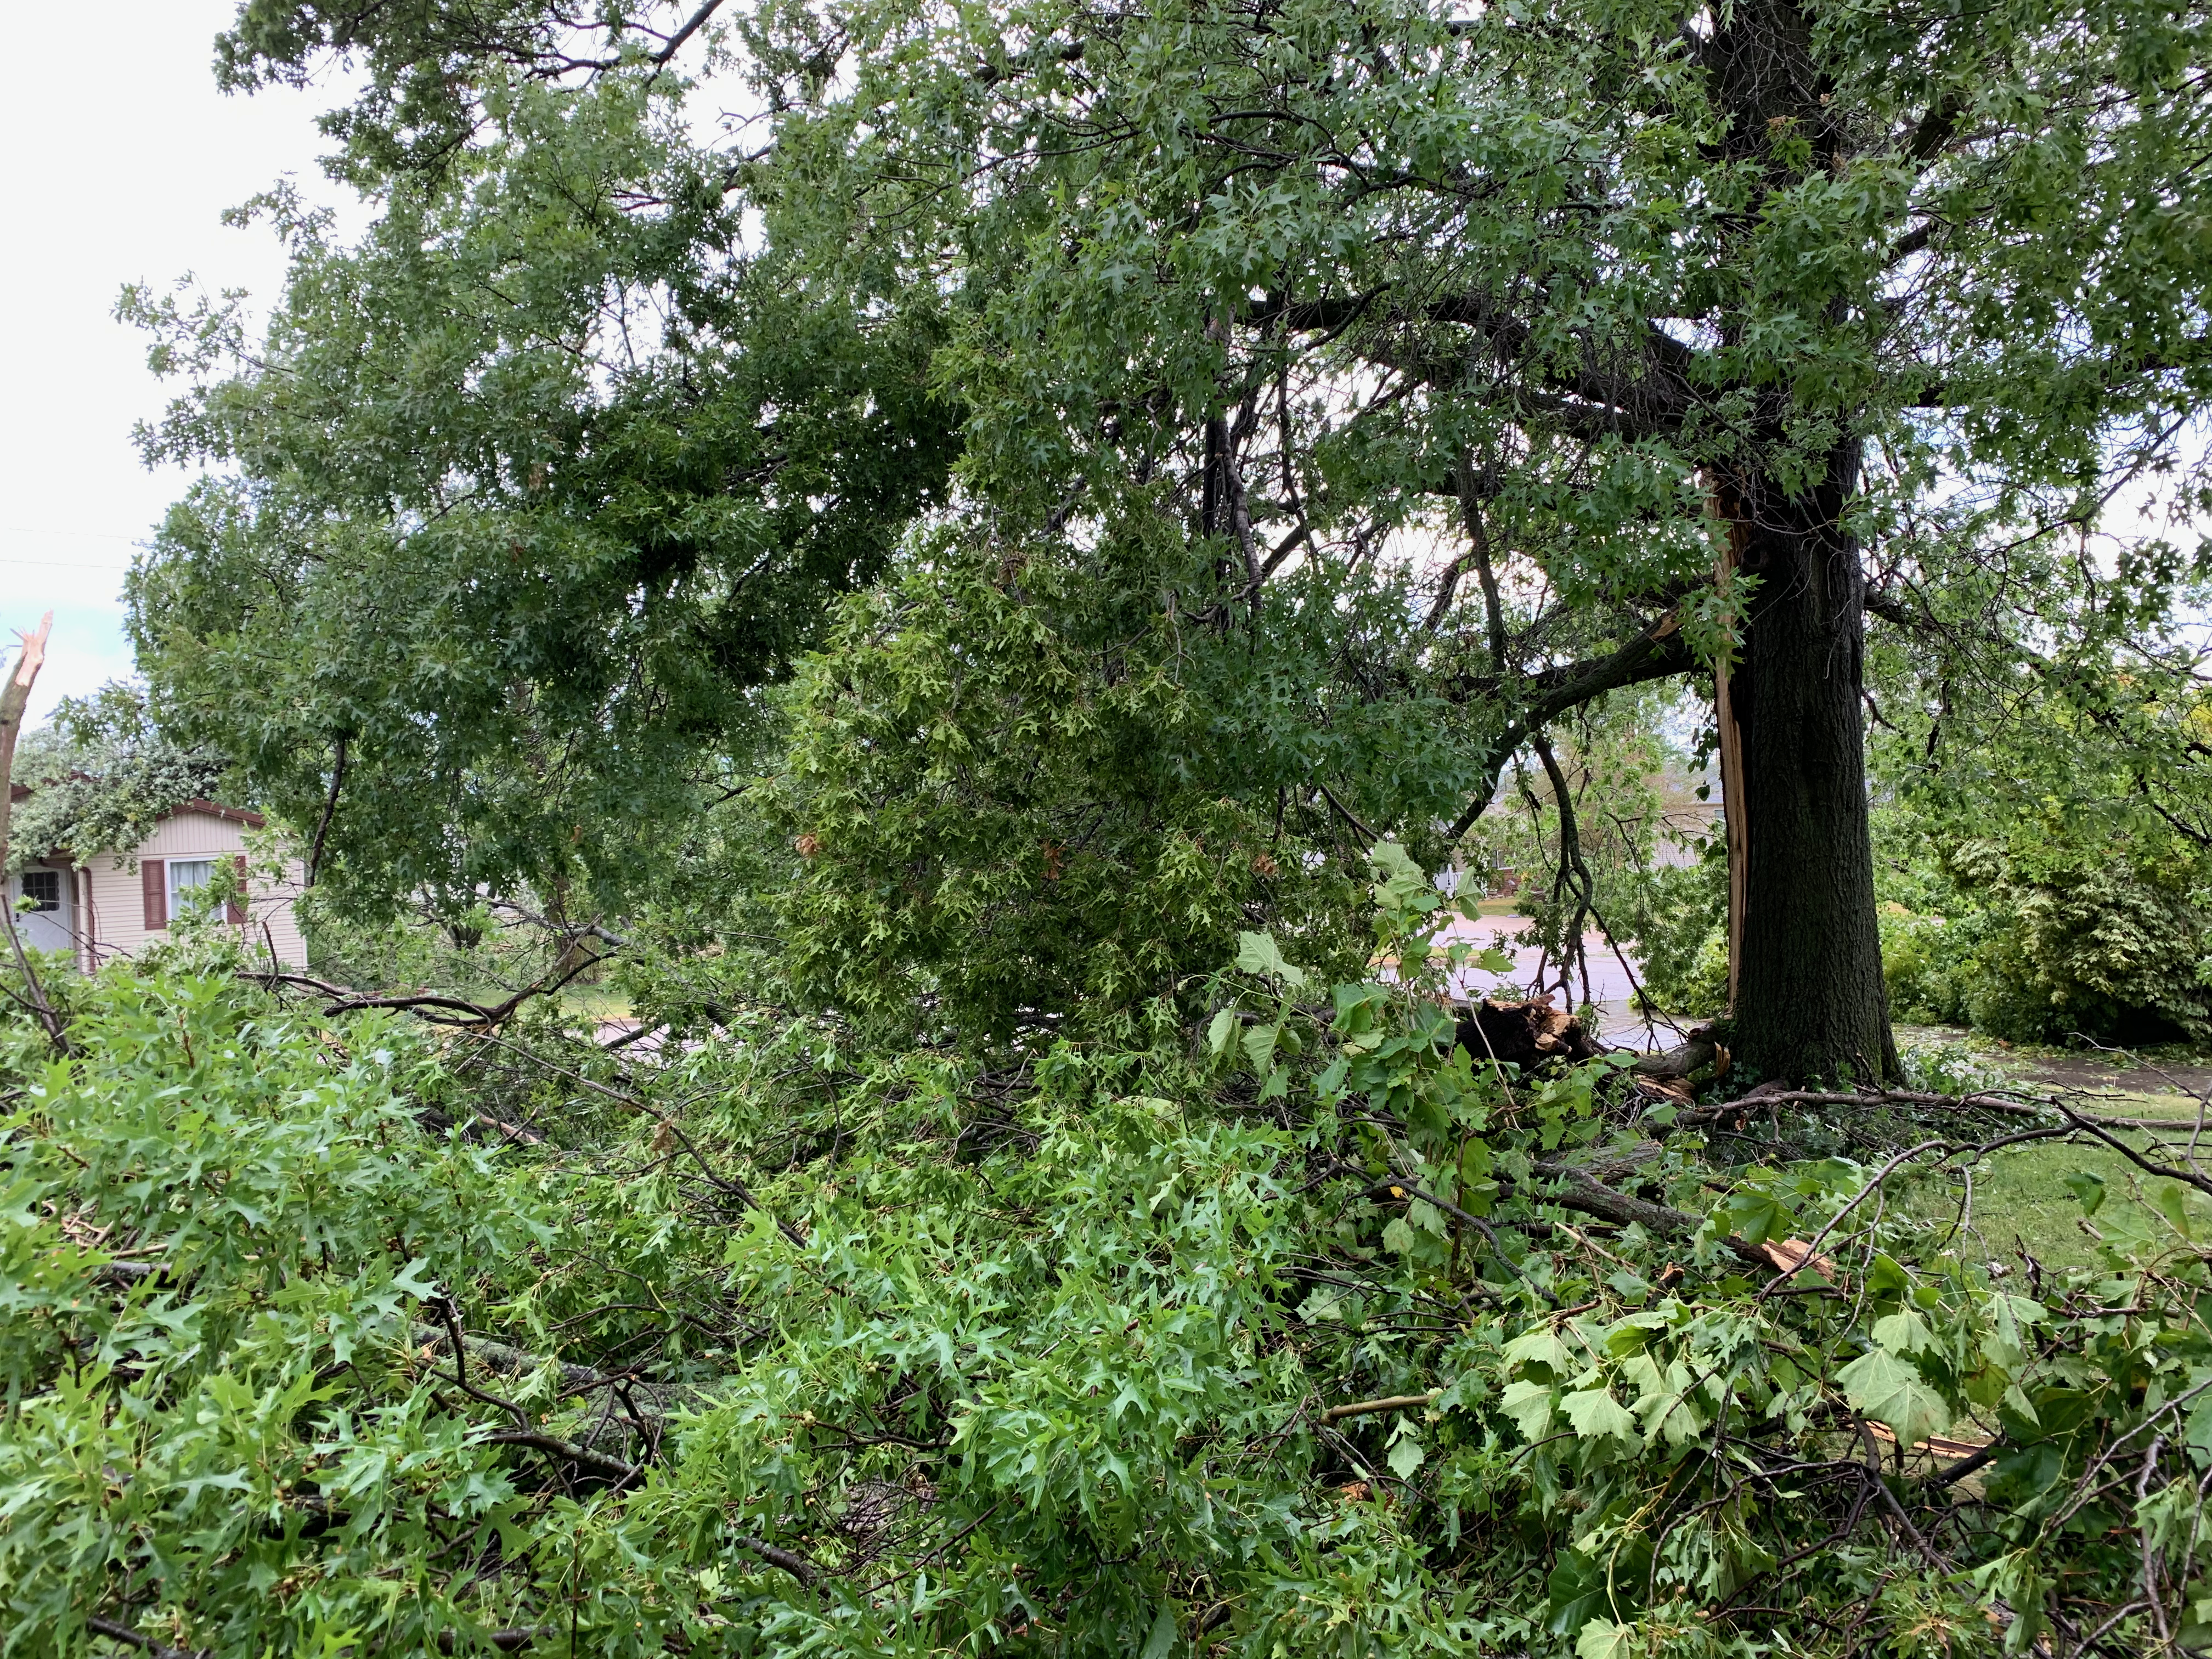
(153, 880)
(237, 911)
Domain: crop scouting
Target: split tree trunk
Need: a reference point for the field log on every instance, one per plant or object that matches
(1810, 1001)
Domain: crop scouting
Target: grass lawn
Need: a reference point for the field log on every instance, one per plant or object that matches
(2021, 1199)
(596, 1002)
(2021, 1196)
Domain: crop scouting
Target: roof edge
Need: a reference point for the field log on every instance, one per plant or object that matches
(251, 820)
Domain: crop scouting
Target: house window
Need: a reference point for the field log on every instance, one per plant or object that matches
(43, 889)
(187, 876)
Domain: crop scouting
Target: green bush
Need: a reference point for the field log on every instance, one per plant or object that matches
(1678, 916)
(1930, 965)
(2057, 940)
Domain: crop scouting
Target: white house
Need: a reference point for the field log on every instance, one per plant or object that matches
(106, 908)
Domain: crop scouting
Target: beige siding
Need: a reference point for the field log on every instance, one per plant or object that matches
(117, 924)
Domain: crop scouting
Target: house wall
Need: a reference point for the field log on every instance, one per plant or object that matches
(115, 924)
(47, 930)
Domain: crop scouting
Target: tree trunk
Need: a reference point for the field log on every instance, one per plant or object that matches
(1810, 1004)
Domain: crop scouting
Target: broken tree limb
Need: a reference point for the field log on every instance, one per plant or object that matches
(1523, 1034)
(1578, 1191)
(554, 1446)
(15, 701)
(1698, 1050)
(14, 704)
(797, 1566)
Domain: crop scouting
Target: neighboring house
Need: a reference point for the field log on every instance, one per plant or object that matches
(103, 907)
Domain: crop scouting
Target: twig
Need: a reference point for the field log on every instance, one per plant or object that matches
(2150, 1553)
(573, 961)
(1813, 1249)
(1396, 1402)
(461, 1365)
(1574, 873)
(1399, 1185)
(2166, 1171)
(936, 1550)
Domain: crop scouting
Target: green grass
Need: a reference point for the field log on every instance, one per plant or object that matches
(2021, 1199)
(595, 1002)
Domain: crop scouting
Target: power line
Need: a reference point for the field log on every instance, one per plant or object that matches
(82, 535)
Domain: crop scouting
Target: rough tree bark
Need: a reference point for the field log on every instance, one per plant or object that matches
(1810, 1000)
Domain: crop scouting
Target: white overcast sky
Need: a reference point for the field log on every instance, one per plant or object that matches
(122, 178)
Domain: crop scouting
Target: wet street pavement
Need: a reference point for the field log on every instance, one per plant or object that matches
(1610, 987)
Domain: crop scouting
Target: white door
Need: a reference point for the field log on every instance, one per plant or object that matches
(49, 923)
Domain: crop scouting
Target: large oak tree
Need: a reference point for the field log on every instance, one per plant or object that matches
(1652, 328)
(1635, 289)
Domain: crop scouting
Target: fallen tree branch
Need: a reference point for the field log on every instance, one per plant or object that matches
(1858, 1198)
(1580, 1192)
(1993, 1101)
(1395, 1402)
(734, 1188)
(1657, 652)
(138, 1639)
(556, 1447)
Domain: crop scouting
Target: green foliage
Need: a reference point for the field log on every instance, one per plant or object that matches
(102, 773)
(2096, 941)
(910, 1346)
(2063, 902)
(521, 499)
(1024, 785)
